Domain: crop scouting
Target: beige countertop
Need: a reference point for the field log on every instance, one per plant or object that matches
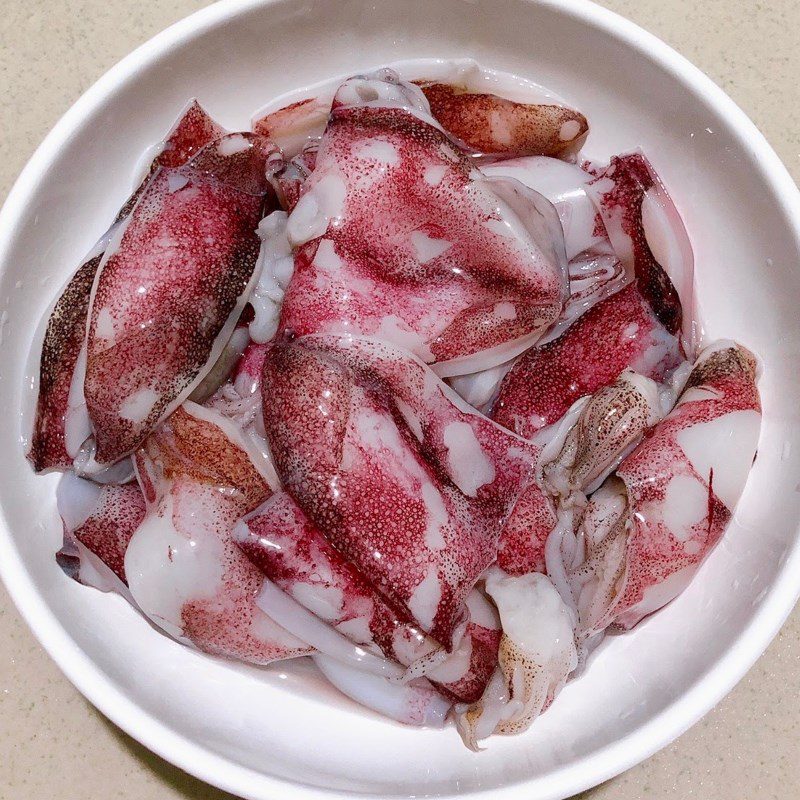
(53, 744)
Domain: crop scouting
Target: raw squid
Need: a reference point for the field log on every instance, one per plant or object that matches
(523, 537)
(391, 382)
(170, 290)
(648, 236)
(229, 358)
(294, 126)
(193, 131)
(633, 329)
(480, 123)
(408, 482)
(494, 126)
(577, 454)
(365, 677)
(183, 568)
(564, 185)
(649, 528)
(399, 236)
(641, 325)
(275, 268)
(283, 543)
(587, 408)
(66, 328)
(289, 176)
(622, 332)
(98, 522)
(239, 400)
(64, 338)
(546, 381)
(595, 271)
(606, 427)
(537, 655)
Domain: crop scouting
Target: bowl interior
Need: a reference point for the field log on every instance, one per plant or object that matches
(244, 728)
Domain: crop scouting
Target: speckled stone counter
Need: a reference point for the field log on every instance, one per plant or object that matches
(53, 744)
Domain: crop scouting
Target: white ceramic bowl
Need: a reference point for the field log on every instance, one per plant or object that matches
(279, 732)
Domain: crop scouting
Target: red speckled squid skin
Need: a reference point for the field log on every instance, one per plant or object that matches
(492, 125)
(250, 366)
(417, 250)
(169, 289)
(191, 133)
(485, 643)
(638, 327)
(293, 554)
(198, 483)
(619, 332)
(682, 484)
(64, 338)
(66, 328)
(404, 479)
(619, 190)
(108, 529)
(523, 538)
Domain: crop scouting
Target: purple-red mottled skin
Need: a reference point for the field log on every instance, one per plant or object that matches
(637, 327)
(527, 129)
(213, 483)
(485, 644)
(192, 132)
(727, 380)
(112, 523)
(190, 448)
(251, 364)
(631, 177)
(66, 328)
(483, 658)
(359, 432)
(547, 380)
(523, 538)
(477, 288)
(185, 259)
(289, 550)
(292, 553)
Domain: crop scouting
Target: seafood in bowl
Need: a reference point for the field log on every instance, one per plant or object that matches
(400, 382)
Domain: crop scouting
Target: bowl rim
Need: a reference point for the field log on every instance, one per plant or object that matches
(217, 770)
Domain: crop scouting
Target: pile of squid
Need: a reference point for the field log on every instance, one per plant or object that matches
(400, 382)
